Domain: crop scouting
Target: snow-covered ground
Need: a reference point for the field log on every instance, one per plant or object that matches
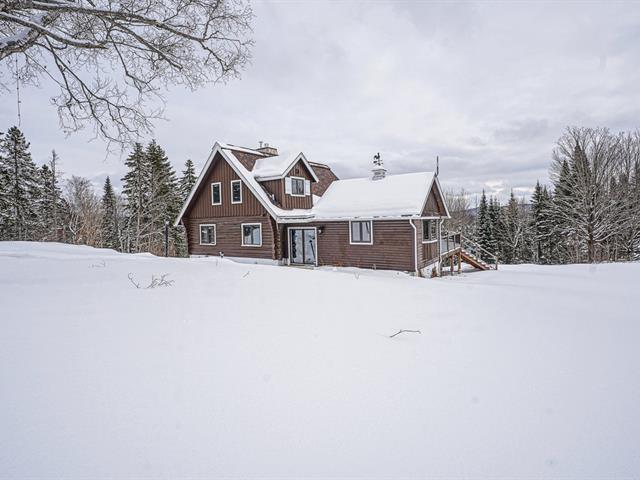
(250, 370)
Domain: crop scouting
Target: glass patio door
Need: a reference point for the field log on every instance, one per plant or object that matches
(302, 242)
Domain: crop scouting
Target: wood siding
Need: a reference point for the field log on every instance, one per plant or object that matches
(427, 252)
(247, 159)
(229, 237)
(289, 202)
(392, 249)
(220, 171)
(435, 204)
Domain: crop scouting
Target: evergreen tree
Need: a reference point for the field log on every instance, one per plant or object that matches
(4, 201)
(484, 233)
(542, 225)
(187, 181)
(51, 205)
(22, 191)
(136, 193)
(109, 228)
(497, 231)
(512, 241)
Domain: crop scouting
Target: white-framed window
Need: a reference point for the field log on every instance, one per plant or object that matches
(216, 193)
(207, 234)
(236, 191)
(361, 232)
(251, 234)
(429, 231)
(297, 186)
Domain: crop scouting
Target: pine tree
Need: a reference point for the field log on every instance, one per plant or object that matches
(484, 233)
(512, 238)
(497, 232)
(4, 201)
(109, 228)
(22, 191)
(187, 181)
(51, 205)
(136, 193)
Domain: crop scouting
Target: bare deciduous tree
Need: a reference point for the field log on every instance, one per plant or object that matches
(112, 59)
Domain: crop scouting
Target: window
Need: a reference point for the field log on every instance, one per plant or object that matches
(236, 191)
(251, 235)
(216, 194)
(360, 233)
(207, 234)
(297, 186)
(429, 231)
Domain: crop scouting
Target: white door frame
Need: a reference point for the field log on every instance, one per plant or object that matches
(289, 243)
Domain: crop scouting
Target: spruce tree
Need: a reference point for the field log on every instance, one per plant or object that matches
(512, 237)
(187, 181)
(109, 228)
(497, 232)
(136, 193)
(51, 205)
(4, 202)
(22, 191)
(483, 230)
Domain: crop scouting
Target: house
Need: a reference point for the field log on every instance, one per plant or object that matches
(255, 204)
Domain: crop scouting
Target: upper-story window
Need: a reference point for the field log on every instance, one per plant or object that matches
(360, 232)
(297, 186)
(236, 191)
(216, 193)
(429, 231)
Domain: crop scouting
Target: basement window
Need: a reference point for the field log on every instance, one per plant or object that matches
(360, 232)
(207, 234)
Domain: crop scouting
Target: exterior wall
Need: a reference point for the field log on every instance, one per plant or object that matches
(221, 172)
(326, 177)
(229, 237)
(288, 202)
(435, 203)
(427, 252)
(392, 249)
(227, 217)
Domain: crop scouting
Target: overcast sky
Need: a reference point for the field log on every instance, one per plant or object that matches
(488, 87)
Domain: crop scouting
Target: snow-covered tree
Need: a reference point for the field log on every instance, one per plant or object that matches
(51, 205)
(109, 226)
(136, 195)
(22, 192)
(112, 60)
(542, 225)
(83, 223)
(188, 180)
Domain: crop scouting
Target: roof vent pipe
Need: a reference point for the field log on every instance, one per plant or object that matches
(379, 172)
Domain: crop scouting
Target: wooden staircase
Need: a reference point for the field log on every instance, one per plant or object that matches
(455, 245)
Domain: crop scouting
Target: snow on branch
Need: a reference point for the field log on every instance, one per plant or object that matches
(112, 60)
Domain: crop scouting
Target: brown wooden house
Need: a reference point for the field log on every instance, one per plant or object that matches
(255, 204)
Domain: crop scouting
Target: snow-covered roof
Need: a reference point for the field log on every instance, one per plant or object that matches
(270, 168)
(392, 196)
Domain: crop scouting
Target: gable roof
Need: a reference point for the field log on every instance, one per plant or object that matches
(401, 195)
(227, 152)
(277, 167)
(395, 196)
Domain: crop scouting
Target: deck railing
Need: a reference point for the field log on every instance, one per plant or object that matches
(452, 242)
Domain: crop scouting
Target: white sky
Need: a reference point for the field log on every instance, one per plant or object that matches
(488, 87)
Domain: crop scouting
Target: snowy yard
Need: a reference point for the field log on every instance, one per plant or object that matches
(246, 370)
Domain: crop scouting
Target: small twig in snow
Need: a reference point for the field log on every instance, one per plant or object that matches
(160, 281)
(102, 264)
(357, 275)
(246, 274)
(404, 331)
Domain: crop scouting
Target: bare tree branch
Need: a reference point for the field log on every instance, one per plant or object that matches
(111, 60)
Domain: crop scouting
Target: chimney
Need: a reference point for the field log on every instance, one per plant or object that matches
(379, 172)
(267, 150)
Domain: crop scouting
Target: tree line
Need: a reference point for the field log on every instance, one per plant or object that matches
(590, 212)
(37, 204)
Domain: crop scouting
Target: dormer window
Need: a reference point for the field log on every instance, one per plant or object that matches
(297, 186)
